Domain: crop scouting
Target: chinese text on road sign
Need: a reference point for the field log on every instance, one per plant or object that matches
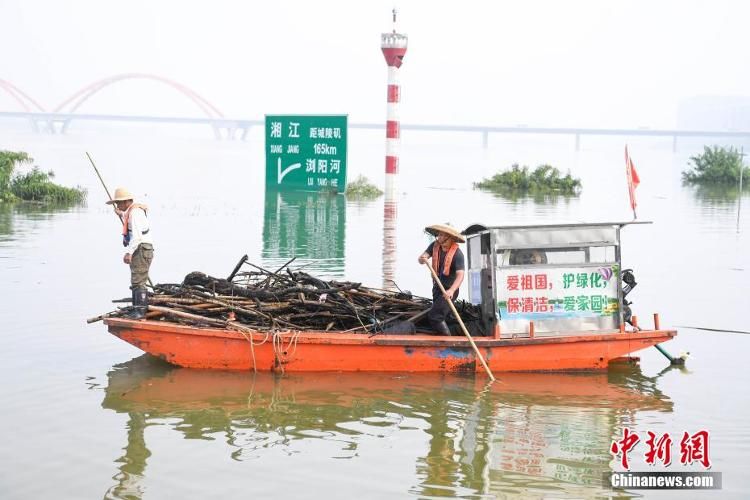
(306, 152)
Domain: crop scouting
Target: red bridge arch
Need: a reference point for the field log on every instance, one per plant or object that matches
(87, 92)
(20, 96)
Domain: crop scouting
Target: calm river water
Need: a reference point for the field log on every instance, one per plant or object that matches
(87, 416)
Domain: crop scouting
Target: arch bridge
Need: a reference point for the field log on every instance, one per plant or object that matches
(66, 112)
(60, 119)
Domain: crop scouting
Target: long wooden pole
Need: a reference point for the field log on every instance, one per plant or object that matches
(102, 181)
(460, 321)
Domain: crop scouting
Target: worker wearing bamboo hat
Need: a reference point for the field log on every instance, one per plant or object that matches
(448, 263)
(139, 248)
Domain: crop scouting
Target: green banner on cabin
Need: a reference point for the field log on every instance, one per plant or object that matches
(306, 152)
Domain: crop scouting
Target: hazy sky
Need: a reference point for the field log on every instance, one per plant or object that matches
(576, 63)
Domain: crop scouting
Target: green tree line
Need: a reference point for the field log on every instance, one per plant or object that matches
(542, 180)
(717, 165)
(34, 185)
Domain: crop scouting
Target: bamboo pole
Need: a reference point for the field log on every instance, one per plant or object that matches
(102, 181)
(460, 322)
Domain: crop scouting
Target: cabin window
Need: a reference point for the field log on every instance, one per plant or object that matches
(557, 256)
(602, 254)
(527, 257)
(479, 251)
(475, 256)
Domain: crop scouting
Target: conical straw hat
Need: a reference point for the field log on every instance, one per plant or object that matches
(447, 229)
(121, 194)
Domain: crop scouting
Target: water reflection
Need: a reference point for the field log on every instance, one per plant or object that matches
(29, 212)
(718, 196)
(308, 226)
(535, 197)
(390, 217)
(530, 432)
(6, 221)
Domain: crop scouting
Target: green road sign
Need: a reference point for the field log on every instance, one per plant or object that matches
(306, 152)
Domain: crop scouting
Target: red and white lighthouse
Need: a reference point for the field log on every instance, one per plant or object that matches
(394, 48)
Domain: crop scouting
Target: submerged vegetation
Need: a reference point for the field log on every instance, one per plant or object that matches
(8, 162)
(361, 188)
(38, 186)
(545, 179)
(717, 165)
(35, 185)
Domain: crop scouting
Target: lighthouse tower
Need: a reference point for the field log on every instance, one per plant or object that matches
(394, 48)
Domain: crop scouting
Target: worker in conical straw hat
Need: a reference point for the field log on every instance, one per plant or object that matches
(139, 247)
(448, 263)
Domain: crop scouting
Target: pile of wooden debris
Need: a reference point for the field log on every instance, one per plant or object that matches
(289, 300)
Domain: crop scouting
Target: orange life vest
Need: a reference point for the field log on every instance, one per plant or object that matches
(126, 219)
(448, 258)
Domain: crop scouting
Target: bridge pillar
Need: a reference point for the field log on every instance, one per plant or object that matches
(217, 131)
(674, 143)
(41, 125)
(245, 131)
(232, 132)
(50, 126)
(34, 125)
(578, 142)
(485, 139)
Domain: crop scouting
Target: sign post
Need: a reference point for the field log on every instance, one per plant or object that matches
(306, 152)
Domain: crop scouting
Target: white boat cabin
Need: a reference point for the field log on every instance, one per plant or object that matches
(554, 279)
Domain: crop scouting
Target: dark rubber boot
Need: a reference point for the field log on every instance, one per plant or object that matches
(133, 303)
(442, 328)
(140, 303)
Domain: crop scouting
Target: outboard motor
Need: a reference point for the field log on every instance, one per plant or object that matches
(628, 280)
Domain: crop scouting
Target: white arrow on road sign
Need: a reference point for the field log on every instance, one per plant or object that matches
(282, 173)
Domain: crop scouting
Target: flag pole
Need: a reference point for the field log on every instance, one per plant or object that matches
(632, 184)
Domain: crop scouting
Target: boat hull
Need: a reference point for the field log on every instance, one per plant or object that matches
(214, 348)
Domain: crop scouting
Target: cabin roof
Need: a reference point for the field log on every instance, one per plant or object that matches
(479, 228)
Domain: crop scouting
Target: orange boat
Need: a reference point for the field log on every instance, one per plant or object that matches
(552, 296)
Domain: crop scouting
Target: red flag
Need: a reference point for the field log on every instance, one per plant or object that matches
(633, 179)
